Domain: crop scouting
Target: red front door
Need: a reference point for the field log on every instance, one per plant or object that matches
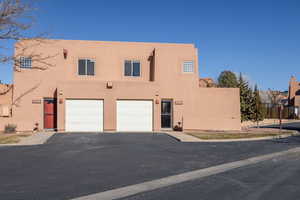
(49, 113)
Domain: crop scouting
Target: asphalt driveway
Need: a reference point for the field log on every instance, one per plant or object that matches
(275, 179)
(77, 164)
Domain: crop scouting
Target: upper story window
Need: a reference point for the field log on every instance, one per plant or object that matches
(132, 68)
(86, 67)
(188, 66)
(25, 62)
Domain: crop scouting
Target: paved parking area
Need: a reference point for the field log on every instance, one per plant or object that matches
(77, 164)
(274, 179)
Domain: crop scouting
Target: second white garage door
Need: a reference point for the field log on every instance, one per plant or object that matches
(134, 115)
(84, 115)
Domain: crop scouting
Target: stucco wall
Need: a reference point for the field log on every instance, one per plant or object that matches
(201, 108)
(5, 94)
(213, 109)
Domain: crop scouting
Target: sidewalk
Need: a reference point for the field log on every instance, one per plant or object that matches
(182, 137)
(35, 139)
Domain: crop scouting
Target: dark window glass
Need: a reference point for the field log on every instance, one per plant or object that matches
(166, 107)
(90, 68)
(81, 67)
(166, 121)
(127, 70)
(166, 114)
(136, 69)
(25, 62)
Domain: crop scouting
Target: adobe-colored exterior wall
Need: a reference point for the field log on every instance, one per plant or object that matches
(6, 92)
(199, 108)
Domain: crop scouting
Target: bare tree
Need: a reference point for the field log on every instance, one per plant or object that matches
(274, 97)
(15, 20)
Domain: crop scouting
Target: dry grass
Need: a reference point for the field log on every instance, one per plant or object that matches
(12, 138)
(240, 135)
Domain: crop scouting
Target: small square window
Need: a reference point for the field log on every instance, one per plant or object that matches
(86, 67)
(188, 66)
(132, 68)
(25, 62)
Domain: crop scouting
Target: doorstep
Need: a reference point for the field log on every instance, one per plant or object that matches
(34, 139)
(182, 137)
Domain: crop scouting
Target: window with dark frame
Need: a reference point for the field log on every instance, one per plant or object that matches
(25, 62)
(86, 67)
(132, 68)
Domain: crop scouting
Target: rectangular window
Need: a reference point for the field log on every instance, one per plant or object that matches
(127, 69)
(86, 67)
(25, 62)
(188, 66)
(136, 68)
(132, 68)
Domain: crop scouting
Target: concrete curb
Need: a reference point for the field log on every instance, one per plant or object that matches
(180, 178)
(182, 137)
(253, 125)
(35, 139)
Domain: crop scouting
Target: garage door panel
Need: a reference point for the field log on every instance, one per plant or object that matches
(134, 115)
(84, 115)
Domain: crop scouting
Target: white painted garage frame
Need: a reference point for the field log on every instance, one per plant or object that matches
(84, 115)
(134, 115)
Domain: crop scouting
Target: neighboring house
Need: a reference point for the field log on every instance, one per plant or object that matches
(117, 86)
(207, 82)
(294, 92)
(273, 97)
(284, 96)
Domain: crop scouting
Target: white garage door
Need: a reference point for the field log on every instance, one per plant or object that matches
(84, 115)
(134, 115)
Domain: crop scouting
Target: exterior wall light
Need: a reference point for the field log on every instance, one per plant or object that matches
(65, 52)
(109, 85)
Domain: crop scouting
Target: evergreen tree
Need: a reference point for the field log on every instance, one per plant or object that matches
(247, 101)
(259, 108)
(227, 79)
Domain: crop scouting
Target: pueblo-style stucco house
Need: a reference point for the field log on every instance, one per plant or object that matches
(294, 92)
(70, 85)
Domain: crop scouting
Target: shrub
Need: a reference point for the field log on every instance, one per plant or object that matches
(177, 127)
(10, 128)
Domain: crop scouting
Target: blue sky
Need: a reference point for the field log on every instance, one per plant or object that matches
(260, 38)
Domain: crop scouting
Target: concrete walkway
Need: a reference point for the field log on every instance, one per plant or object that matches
(182, 137)
(34, 139)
